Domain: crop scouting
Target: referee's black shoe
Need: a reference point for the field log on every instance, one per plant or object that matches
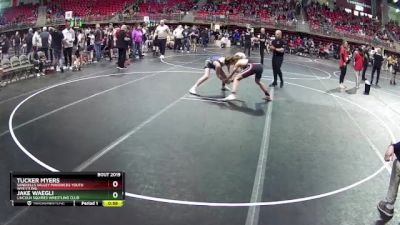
(281, 85)
(273, 85)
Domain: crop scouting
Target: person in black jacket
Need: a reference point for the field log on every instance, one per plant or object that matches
(378, 59)
(56, 45)
(28, 41)
(17, 43)
(247, 42)
(366, 62)
(263, 39)
(5, 46)
(123, 42)
(386, 207)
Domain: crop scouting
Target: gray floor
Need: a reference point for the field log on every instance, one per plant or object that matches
(314, 146)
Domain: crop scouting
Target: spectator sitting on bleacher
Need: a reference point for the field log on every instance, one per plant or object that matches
(37, 61)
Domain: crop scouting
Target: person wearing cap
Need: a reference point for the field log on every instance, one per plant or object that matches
(386, 206)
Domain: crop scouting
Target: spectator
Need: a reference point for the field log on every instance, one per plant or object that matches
(98, 39)
(186, 37)
(378, 59)
(68, 43)
(344, 60)
(194, 36)
(358, 65)
(162, 32)
(37, 40)
(178, 35)
(45, 40)
(35, 60)
(28, 41)
(17, 43)
(56, 45)
(366, 62)
(122, 44)
(396, 69)
(386, 206)
(204, 38)
(5, 46)
(137, 39)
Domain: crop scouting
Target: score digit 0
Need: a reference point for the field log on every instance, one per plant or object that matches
(115, 194)
(115, 184)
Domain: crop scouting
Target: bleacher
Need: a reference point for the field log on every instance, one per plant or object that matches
(19, 14)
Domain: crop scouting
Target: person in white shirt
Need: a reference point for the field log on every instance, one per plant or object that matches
(37, 40)
(178, 38)
(161, 34)
(68, 43)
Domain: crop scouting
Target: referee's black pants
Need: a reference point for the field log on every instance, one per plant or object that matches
(276, 68)
(364, 70)
(247, 48)
(121, 57)
(262, 52)
(162, 44)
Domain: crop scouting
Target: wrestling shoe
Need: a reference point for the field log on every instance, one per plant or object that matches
(230, 97)
(193, 90)
(383, 209)
(268, 98)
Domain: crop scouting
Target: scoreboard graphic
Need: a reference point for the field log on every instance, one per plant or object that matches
(105, 189)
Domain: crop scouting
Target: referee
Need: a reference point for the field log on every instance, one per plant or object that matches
(247, 42)
(277, 47)
(263, 39)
